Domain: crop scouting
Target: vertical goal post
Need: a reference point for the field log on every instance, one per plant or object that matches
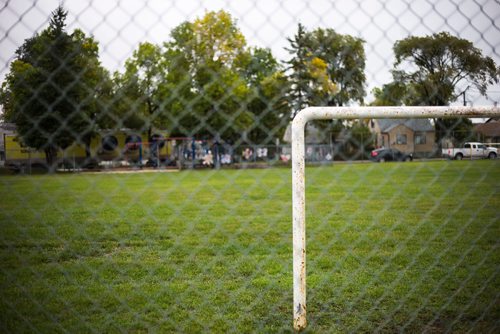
(298, 173)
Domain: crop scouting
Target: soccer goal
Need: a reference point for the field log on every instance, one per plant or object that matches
(298, 173)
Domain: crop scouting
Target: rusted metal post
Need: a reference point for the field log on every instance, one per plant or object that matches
(299, 221)
(298, 174)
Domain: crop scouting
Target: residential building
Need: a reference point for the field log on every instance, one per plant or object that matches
(488, 132)
(416, 136)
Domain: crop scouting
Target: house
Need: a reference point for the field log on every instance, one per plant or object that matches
(488, 132)
(415, 136)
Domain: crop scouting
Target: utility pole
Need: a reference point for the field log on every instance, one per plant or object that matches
(463, 95)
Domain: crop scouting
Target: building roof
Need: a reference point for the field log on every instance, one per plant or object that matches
(490, 129)
(416, 124)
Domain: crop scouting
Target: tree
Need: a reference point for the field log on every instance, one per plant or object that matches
(50, 89)
(267, 100)
(324, 86)
(206, 89)
(360, 138)
(326, 69)
(435, 67)
(441, 63)
(344, 56)
(214, 81)
(395, 93)
(138, 89)
(299, 75)
(97, 97)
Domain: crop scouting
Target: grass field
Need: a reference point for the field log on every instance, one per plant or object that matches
(391, 247)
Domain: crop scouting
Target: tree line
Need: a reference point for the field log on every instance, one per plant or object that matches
(206, 82)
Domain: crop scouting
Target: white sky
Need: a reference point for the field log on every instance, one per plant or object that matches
(120, 26)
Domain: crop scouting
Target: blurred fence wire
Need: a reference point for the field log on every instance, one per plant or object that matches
(145, 179)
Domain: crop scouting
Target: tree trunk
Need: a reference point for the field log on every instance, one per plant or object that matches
(51, 158)
(88, 156)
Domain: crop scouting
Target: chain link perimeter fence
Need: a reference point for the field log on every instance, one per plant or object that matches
(145, 181)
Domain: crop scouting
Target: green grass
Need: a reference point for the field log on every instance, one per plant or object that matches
(391, 247)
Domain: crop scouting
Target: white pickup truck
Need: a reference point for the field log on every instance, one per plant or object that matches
(471, 151)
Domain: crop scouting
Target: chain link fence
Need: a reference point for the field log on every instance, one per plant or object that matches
(145, 166)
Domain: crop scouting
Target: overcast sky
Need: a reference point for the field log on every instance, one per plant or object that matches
(120, 25)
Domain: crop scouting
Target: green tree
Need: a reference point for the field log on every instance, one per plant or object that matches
(138, 89)
(298, 71)
(97, 98)
(326, 68)
(267, 100)
(214, 81)
(207, 90)
(344, 56)
(440, 64)
(392, 94)
(435, 67)
(180, 70)
(360, 139)
(50, 90)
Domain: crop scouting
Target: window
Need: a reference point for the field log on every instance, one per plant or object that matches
(401, 139)
(419, 138)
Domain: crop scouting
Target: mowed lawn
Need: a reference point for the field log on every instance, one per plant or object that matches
(390, 247)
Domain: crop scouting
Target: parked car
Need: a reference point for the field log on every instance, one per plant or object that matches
(389, 154)
(471, 151)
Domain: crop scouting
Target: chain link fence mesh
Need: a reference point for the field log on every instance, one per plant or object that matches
(145, 181)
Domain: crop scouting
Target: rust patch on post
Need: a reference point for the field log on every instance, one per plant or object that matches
(299, 319)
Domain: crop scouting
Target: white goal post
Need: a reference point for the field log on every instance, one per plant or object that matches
(298, 174)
